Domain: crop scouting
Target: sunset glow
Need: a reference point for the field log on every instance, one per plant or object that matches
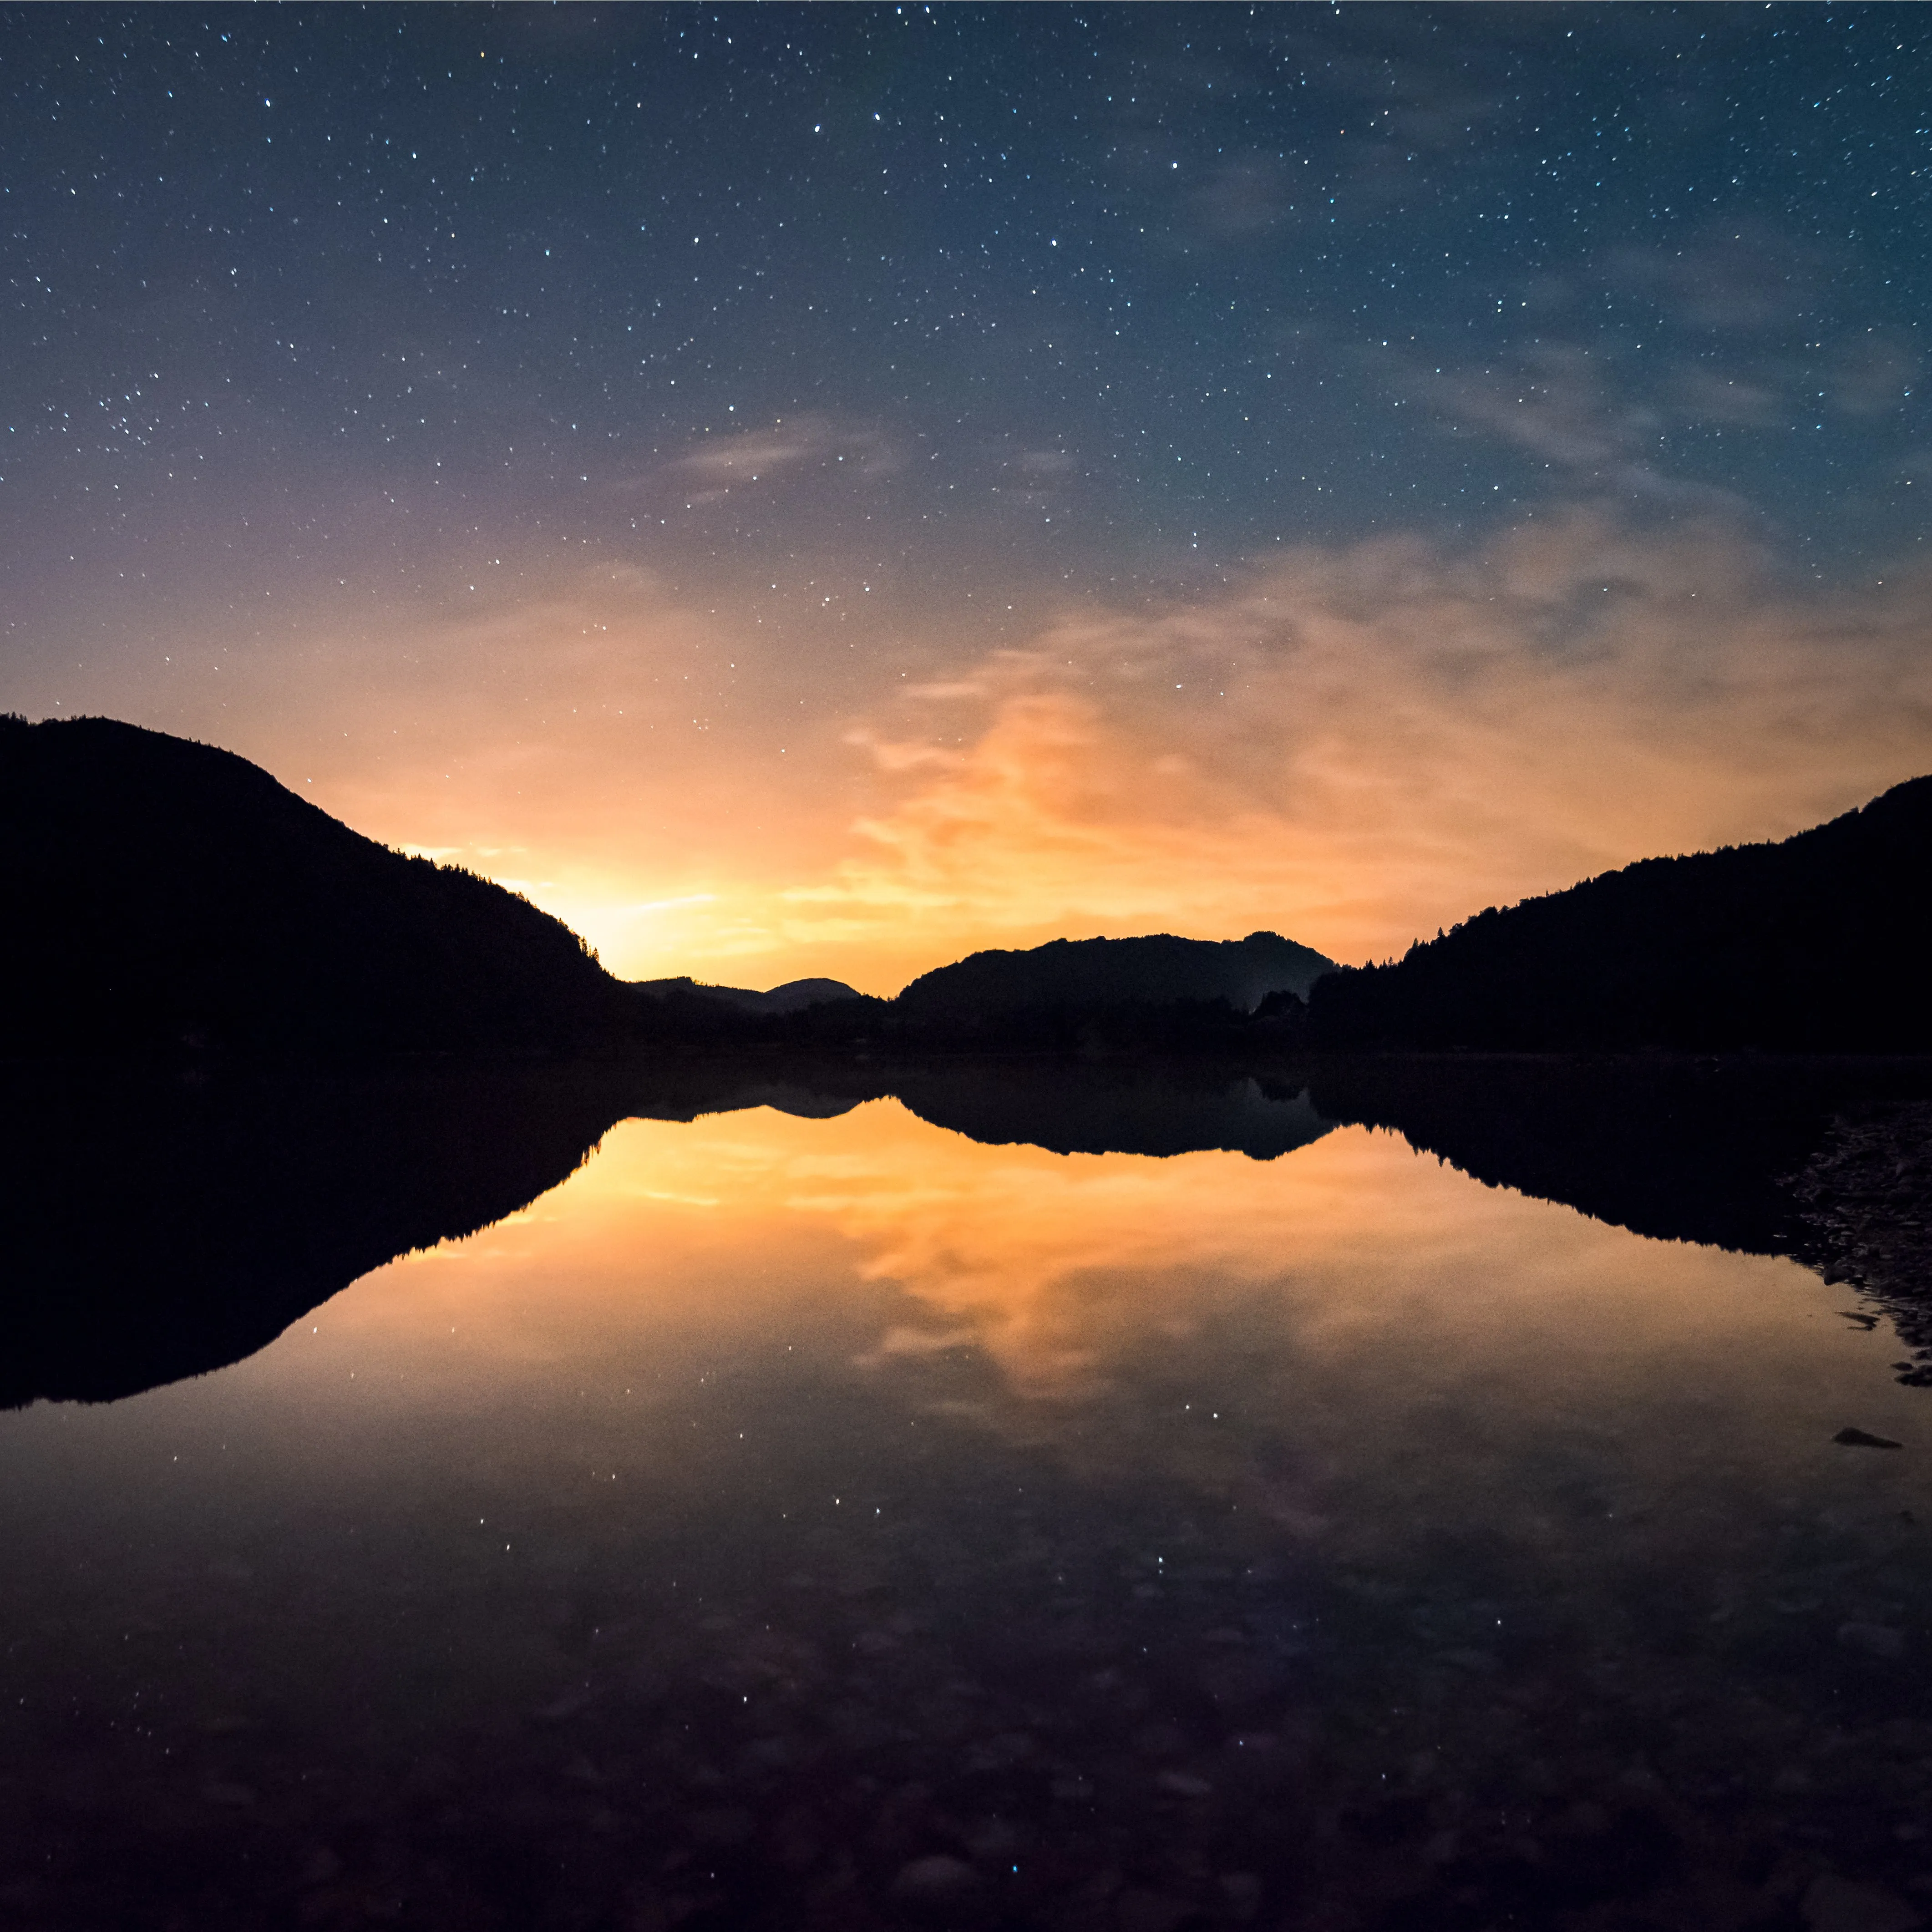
(951, 521)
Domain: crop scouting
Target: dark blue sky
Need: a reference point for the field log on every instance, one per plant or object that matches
(1169, 277)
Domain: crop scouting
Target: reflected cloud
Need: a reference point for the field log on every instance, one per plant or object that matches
(1055, 1268)
(1054, 1221)
(1048, 1295)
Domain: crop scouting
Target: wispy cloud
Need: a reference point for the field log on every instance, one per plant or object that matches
(1747, 279)
(1576, 412)
(1703, 395)
(1872, 372)
(1556, 403)
(1725, 335)
(787, 447)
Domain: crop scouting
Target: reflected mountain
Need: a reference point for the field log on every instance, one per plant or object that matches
(1674, 1148)
(1116, 1107)
(1828, 1160)
(157, 1227)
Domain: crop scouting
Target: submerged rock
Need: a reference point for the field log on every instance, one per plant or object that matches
(1859, 1438)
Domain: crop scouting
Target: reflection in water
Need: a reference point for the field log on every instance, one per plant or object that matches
(155, 1228)
(837, 1521)
(1104, 1108)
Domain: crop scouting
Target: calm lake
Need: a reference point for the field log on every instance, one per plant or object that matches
(842, 1521)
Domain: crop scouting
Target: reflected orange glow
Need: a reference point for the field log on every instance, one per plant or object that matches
(1349, 1343)
(885, 1240)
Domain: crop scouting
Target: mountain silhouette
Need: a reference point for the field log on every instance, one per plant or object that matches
(1818, 944)
(164, 894)
(161, 893)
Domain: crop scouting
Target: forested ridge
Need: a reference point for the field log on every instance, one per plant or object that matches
(1817, 943)
(163, 893)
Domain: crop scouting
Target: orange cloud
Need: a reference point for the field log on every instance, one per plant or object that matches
(1358, 745)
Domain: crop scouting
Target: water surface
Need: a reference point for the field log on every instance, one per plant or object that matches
(841, 1521)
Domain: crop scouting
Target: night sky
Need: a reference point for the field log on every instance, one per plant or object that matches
(820, 490)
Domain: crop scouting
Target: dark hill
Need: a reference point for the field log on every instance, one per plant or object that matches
(1823, 943)
(160, 892)
(990, 995)
(795, 996)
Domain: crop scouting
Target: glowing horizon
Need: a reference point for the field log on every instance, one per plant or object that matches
(885, 485)
(1351, 746)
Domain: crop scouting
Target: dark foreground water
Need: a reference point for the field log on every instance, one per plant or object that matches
(795, 1522)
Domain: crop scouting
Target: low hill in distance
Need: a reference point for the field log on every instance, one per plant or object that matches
(1052, 994)
(161, 893)
(1820, 943)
